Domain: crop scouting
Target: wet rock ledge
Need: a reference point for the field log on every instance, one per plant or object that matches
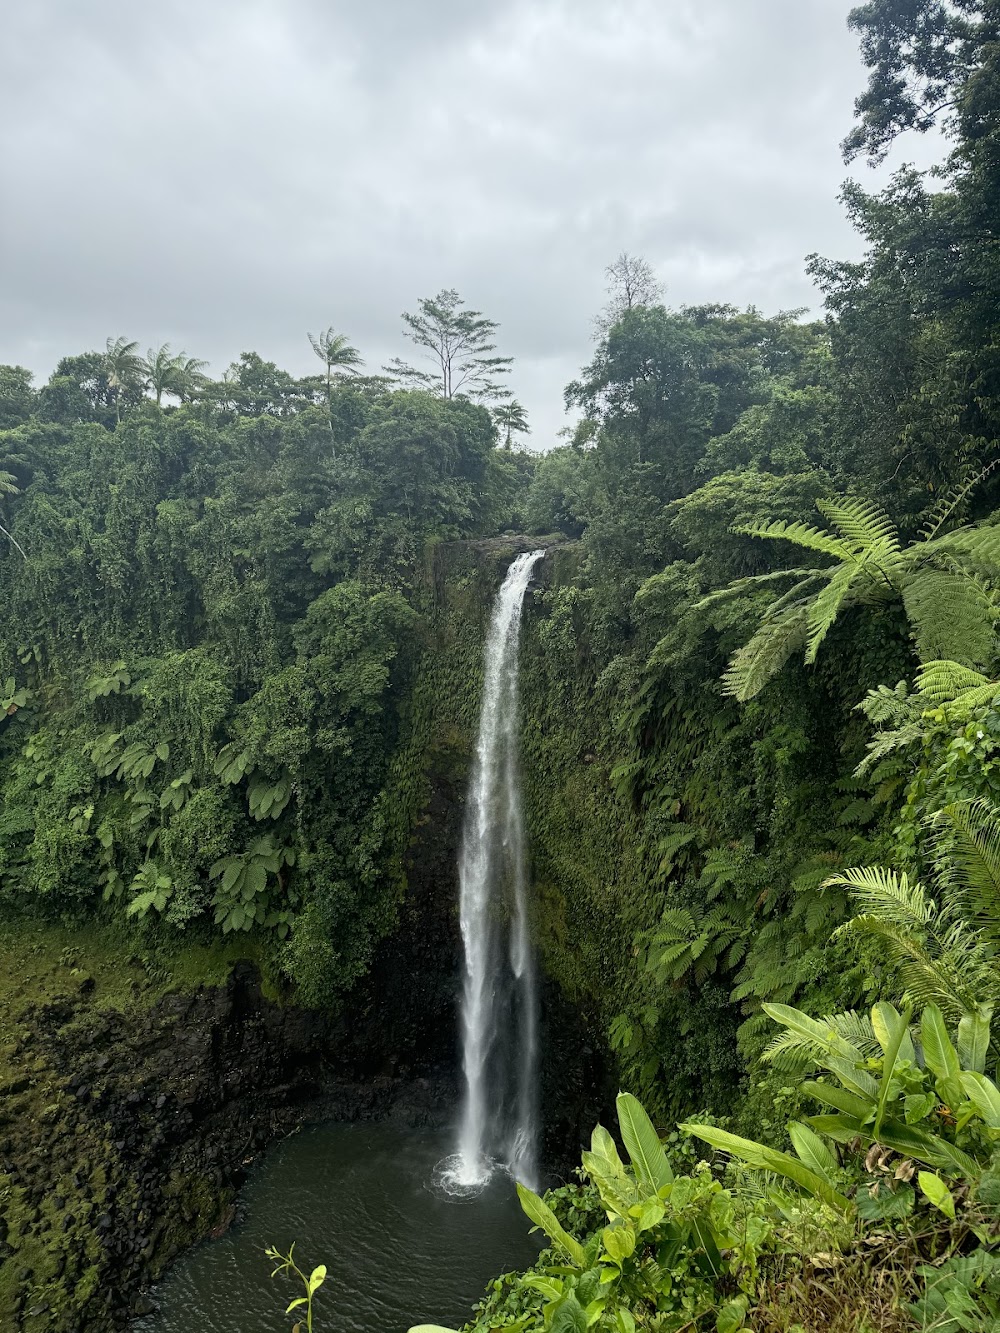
(123, 1139)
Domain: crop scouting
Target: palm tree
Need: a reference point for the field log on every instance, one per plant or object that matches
(511, 419)
(950, 609)
(125, 369)
(180, 375)
(190, 377)
(160, 366)
(336, 353)
(8, 487)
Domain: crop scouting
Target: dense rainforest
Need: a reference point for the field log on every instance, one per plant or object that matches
(761, 731)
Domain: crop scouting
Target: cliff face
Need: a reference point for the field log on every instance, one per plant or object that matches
(131, 1103)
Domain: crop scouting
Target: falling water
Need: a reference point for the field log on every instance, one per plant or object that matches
(499, 1002)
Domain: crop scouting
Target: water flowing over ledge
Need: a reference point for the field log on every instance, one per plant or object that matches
(499, 1125)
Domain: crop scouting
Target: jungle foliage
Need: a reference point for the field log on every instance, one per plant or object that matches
(211, 623)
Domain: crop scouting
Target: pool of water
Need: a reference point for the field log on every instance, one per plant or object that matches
(360, 1199)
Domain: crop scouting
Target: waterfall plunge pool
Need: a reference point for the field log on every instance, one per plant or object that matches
(358, 1198)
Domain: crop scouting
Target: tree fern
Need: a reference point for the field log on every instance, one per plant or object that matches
(935, 954)
(802, 534)
(944, 688)
(863, 523)
(952, 615)
(969, 837)
(763, 656)
(952, 611)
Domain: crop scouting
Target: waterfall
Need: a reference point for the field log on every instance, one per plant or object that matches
(499, 1125)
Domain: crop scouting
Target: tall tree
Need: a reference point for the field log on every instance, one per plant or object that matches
(511, 419)
(460, 344)
(178, 374)
(631, 283)
(338, 354)
(125, 369)
(161, 370)
(189, 376)
(8, 487)
(17, 397)
(922, 54)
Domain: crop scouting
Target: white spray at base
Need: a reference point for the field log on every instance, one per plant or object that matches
(499, 1126)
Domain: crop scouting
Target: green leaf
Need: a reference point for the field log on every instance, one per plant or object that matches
(918, 1106)
(934, 1189)
(316, 1278)
(974, 1039)
(984, 1093)
(839, 1098)
(940, 1054)
(892, 1029)
(769, 1159)
(301, 1300)
(232, 872)
(643, 1143)
(550, 1287)
(163, 753)
(619, 1243)
(732, 1317)
(542, 1215)
(569, 1317)
(256, 880)
(811, 1148)
(431, 1328)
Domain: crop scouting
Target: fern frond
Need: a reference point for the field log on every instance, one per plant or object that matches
(948, 505)
(943, 680)
(972, 831)
(862, 522)
(827, 605)
(765, 653)
(883, 705)
(887, 743)
(809, 1041)
(977, 547)
(799, 591)
(802, 534)
(952, 615)
(750, 584)
(888, 894)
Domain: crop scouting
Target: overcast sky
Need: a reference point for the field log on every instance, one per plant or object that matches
(228, 174)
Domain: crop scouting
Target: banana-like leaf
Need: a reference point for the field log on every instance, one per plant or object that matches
(892, 1029)
(984, 1092)
(542, 1215)
(910, 1140)
(840, 1128)
(769, 1159)
(839, 1098)
(974, 1039)
(643, 1143)
(940, 1054)
(812, 1150)
(603, 1145)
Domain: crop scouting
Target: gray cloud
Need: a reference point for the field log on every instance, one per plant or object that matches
(229, 174)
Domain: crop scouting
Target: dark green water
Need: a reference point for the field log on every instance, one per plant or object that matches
(359, 1199)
